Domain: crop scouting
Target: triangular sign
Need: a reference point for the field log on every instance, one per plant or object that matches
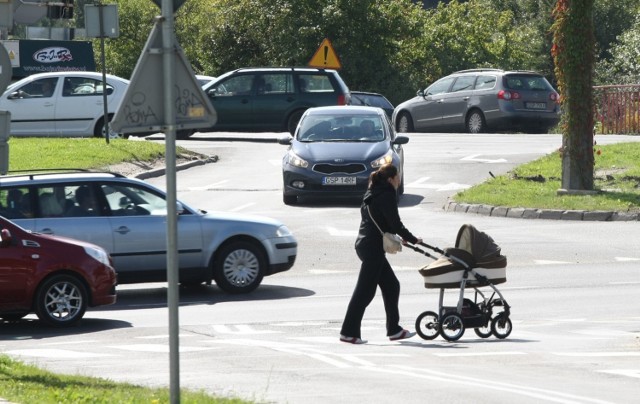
(142, 108)
(325, 57)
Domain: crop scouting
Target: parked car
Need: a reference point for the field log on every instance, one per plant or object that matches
(55, 277)
(372, 100)
(272, 98)
(335, 149)
(61, 103)
(127, 217)
(203, 80)
(480, 99)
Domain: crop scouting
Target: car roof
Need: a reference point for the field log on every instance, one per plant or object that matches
(490, 70)
(344, 110)
(55, 176)
(93, 75)
(266, 70)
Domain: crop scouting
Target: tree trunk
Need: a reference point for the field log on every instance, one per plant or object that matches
(574, 54)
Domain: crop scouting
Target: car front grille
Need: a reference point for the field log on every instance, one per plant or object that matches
(339, 168)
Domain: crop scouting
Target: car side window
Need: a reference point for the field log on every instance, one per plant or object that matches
(463, 83)
(132, 200)
(15, 203)
(485, 82)
(42, 88)
(237, 85)
(277, 83)
(439, 87)
(82, 86)
(315, 83)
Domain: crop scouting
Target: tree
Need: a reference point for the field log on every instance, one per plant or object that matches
(573, 52)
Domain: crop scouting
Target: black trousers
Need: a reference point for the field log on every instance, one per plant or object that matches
(375, 271)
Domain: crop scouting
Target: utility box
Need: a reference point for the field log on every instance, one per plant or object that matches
(5, 121)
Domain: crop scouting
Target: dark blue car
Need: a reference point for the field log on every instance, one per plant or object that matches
(335, 149)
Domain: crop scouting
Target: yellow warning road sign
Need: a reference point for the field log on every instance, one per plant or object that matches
(325, 57)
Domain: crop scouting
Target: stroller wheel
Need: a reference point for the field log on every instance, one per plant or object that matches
(483, 332)
(427, 325)
(501, 326)
(451, 327)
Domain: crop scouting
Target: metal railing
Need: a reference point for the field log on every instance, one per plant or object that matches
(617, 109)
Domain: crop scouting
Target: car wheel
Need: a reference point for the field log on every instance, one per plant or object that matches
(61, 301)
(292, 122)
(405, 123)
(475, 122)
(98, 131)
(289, 199)
(239, 267)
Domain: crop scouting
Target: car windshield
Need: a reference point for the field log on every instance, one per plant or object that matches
(342, 128)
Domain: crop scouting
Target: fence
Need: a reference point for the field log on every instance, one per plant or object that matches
(617, 109)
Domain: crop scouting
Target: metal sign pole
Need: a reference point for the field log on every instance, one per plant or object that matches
(168, 62)
(104, 74)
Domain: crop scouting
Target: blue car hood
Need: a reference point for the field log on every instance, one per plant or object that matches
(348, 151)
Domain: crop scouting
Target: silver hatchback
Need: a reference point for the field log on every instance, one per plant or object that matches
(481, 99)
(127, 217)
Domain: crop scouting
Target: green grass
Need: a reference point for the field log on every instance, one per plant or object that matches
(84, 153)
(22, 383)
(536, 184)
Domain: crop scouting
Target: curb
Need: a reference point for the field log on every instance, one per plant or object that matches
(533, 213)
(157, 172)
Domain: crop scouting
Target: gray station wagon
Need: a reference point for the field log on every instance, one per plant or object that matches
(481, 99)
(127, 217)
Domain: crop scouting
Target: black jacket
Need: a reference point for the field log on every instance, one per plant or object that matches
(383, 204)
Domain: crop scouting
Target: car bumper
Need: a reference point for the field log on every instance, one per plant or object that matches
(283, 253)
(309, 183)
(523, 118)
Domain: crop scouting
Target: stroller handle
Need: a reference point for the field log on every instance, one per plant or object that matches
(421, 251)
(436, 249)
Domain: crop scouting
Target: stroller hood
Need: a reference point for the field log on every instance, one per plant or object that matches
(485, 251)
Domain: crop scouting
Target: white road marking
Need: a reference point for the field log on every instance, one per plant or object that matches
(625, 283)
(623, 372)
(596, 354)
(341, 233)
(421, 183)
(241, 207)
(56, 353)
(487, 384)
(159, 348)
(325, 271)
(550, 262)
(462, 354)
(624, 259)
(209, 186)
(240, 329)
(474, 157)
(164, 336)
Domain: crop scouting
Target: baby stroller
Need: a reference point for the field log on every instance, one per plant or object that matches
(476, 263)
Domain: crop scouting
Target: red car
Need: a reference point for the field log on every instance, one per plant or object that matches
(53, 276)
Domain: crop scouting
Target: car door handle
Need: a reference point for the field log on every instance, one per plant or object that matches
(48, 104)
(290, 99)
(122, 230)
(244, 101)
(46, 230)
(466, 98)
(440, 101)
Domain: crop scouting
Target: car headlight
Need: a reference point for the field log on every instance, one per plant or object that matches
(296, 161)
(283, 231)
(387, 158)
(97, 254)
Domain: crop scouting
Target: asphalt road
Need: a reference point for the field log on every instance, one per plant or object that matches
(571, 285)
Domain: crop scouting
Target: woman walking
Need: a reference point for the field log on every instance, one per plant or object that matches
(380, 204)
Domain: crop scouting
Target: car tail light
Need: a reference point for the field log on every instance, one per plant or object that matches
(342, 100)
(554, 97)
(508, 95)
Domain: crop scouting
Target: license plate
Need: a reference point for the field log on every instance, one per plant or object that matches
(536, 105)
(338, 180)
